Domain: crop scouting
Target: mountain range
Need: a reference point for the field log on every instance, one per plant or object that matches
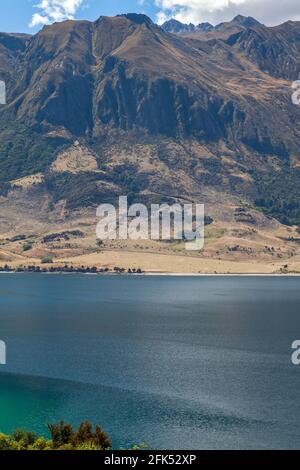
(161, 113)
(238, 23)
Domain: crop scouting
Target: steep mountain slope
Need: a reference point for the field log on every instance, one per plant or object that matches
(121, 106)
(274, 50)
(127, 73)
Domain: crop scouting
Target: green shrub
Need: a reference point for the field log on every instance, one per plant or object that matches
(24, 438)
(63, 437)
(41, 444)
(27, 246)
(47, 260)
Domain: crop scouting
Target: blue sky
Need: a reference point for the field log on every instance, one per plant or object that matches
(17, 15)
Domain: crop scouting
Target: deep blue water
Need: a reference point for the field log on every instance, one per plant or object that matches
(177, 362)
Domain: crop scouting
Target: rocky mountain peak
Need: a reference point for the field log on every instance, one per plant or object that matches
(137, 18)
(175, 26)
(246, 21)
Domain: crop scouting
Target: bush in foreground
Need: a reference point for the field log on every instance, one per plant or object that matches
(63, 437)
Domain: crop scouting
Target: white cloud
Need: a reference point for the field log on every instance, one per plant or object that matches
(192, 11)
(54, 10)
(215, 11)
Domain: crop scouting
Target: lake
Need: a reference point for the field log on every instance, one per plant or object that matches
(177, 362)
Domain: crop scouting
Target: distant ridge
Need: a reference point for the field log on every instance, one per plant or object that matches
(175, 26)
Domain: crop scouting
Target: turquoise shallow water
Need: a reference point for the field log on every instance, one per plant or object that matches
(200, 362)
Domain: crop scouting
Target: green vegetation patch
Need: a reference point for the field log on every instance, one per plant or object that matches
(279, 195)
(63, 437)
(24, 152)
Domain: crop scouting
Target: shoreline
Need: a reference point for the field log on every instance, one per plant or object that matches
(148, 264)
(152, 274)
